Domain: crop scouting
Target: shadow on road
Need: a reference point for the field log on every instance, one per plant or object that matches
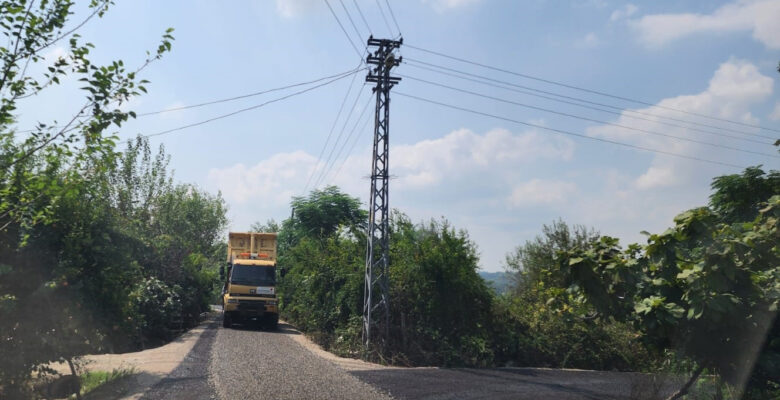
(516, 383)
(189, 380)
(285, 329)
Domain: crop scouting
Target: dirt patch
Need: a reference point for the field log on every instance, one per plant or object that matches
(149, 366)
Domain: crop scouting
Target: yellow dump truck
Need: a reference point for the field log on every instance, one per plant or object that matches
(249, 292)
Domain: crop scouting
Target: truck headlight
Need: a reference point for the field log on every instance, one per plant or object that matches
(233, 301)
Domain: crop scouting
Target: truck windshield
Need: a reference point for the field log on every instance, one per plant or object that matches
(253, 275)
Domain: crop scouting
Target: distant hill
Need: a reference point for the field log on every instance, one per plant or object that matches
(499, 281)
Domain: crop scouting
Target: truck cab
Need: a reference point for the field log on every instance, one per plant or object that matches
(249, 290)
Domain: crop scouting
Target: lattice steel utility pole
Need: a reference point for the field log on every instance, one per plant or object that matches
(376, 305)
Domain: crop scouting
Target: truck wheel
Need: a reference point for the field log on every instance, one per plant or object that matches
(226, 320)
(272, 323)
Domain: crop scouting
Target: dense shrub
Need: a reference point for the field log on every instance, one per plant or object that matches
(155, 304)
(442, 312)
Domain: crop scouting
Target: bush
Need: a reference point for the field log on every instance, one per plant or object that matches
(155, 305)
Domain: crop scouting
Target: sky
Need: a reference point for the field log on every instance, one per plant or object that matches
(501, 178)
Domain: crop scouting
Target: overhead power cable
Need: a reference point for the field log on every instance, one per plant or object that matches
(392, 15)
(330, 133)
(576, 101)
(319, 178)
(582, 89)
(363, 17)
(167, 131)
(208, 103)
(349, 16)
(351, 149)
(569, 133)
(344, 30)
(387, 24)
(649, 132)
(228, 99)
(343, 145)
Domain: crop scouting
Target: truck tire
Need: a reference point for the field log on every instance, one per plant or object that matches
(226, 320)
(272, 323)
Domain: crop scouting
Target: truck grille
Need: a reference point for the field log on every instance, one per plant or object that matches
(251, 305)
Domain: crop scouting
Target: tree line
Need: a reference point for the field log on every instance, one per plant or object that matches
(100, 251)
(698, 299)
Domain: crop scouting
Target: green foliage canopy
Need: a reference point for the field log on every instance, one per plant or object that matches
(708, 288)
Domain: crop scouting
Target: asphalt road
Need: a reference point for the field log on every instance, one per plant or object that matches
(243, 363)
(251, 363)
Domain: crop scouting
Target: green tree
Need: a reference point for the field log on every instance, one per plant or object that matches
(563, 333)
(535, 260)
(738, 197)
(268, 226)
(440, 305)
(708, 288)
(59, 244)
(322, 212)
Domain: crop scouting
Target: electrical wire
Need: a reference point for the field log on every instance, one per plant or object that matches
(351, 149)
(338, 139)
(244, 96)
(167, 131)
(330, 133)
(589, 119)
(349, 16)
(582, 89)
(387, 24)
(329, 166)
(623, 111)
(392, 15)
(186, 107)
(343, 145)
(569, 133)
(344, 30)
(363, 17)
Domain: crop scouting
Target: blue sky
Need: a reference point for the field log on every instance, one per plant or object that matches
(497, 179)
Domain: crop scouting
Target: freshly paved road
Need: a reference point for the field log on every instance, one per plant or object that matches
(241, 363)
(271, 365)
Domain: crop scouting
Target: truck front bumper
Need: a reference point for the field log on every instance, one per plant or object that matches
(241, 307)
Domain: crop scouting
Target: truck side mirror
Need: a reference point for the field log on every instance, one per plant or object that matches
(222, 272)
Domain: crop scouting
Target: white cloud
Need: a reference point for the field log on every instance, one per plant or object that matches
(271, 182)
(429, 161)
(734, 88)
(294, 8)
(590, 3)
(588, 41)
(538, 192)
(657, 176)
(775, 115)
(628, 202)
(758, 16)
(623, 12)
(445, 5)
(55, 54)
(421, 165)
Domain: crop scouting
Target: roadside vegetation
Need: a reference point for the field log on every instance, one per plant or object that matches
(100, 251)
(699, 299)
(93, 380)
